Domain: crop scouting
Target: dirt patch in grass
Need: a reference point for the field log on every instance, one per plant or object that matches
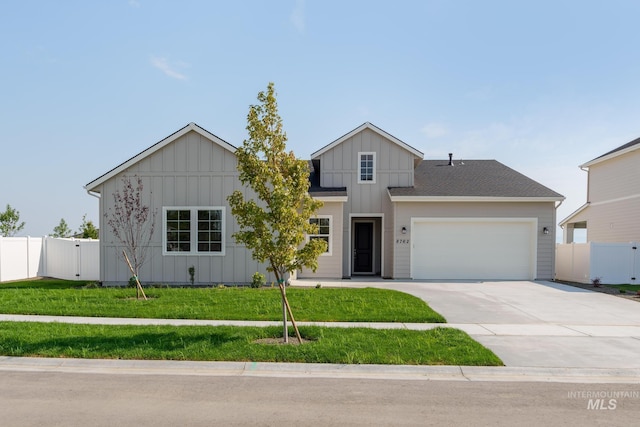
(280, 341)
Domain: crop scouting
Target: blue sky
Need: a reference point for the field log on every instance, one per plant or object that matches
(541, 86)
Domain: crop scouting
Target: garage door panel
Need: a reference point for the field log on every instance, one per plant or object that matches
(485, 249)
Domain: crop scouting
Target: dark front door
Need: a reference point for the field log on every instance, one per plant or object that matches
(363, 247)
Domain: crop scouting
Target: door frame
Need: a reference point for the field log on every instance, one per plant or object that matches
(377, 243)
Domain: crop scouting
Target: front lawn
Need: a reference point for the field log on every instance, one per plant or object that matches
(65, 298)
(440, 346)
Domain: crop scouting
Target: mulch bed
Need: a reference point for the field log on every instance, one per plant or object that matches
(604, 289)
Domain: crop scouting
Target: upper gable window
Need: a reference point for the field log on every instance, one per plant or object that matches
(367, 168)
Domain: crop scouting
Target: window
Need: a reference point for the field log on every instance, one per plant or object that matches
(324, 231)
(367, 168)
(198, 231)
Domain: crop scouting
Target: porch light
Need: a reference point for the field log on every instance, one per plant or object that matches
(545, 230)
(404, 230)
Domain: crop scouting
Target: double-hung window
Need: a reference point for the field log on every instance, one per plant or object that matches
(366, 168)
(193, 230)
(323, 232)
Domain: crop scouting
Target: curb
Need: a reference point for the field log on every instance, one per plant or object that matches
(310, 370)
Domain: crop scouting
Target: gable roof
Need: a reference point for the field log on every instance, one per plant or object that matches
(623, 149)
(156, 147)
(436, 180)
(373, 128)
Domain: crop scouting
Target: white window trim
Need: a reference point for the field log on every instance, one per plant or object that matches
(330, 235)
(359, 168)
(194, 230)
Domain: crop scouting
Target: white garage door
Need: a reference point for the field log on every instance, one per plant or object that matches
(502, 249)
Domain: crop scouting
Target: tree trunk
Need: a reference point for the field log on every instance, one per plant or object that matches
(285, 324)
(139, 289)
(293, 320)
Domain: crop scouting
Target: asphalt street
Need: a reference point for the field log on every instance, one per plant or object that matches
(92, 399)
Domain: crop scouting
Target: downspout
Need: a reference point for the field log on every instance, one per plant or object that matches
(586, 169)
(98, 196)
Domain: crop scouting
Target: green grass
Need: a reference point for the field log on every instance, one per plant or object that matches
(63, 298)
(632, 289)
(440, 346)
(44, 284)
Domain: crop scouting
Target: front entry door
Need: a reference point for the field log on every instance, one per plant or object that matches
(363, 247)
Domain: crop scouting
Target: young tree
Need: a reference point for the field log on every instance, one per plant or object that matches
(274, 227)
(87, 229)
(132, 223)
(61, 230)
(9, 222)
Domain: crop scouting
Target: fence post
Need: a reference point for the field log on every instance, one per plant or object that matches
(44, 259)
(78, 260)
(1, 258)
(28, 275)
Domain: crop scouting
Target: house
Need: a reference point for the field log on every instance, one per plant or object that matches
(387, 212)
(610, 218)
(612, 211)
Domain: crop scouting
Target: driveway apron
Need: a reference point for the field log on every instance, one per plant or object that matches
(534, 324)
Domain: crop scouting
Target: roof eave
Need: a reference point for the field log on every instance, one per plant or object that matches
(610, 156)
(342, 199)
(373, 128)
(573, 214)
(473, 199)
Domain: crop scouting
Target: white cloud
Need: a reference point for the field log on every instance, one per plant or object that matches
(134, 3)
(169, 69)
(434, 130)
(297, 16)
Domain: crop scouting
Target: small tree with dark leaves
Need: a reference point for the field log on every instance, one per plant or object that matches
(87, 229)
(61, 230)
(132, 223)
(10, 222)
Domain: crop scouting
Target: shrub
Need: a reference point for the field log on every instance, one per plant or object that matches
(192, 272)
(258, 280)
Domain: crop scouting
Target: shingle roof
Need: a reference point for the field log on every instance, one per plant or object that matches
(471, 178)
(316, 191)
(615, 150)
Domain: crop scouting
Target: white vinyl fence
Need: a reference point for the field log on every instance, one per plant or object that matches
(29, 257)
(613, 263)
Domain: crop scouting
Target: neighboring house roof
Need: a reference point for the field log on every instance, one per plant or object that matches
(574, 214)
(471, 180)
(156, 147)
(373, 128)
(623, 149)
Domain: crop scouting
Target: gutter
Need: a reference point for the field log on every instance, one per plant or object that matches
(94, 194)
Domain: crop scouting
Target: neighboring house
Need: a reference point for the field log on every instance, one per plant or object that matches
(387, 212)
(612, 211)
(610, 218)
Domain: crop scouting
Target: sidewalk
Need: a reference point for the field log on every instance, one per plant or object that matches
(473, 329)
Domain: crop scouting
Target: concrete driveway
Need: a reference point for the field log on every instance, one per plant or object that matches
(535, 324)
